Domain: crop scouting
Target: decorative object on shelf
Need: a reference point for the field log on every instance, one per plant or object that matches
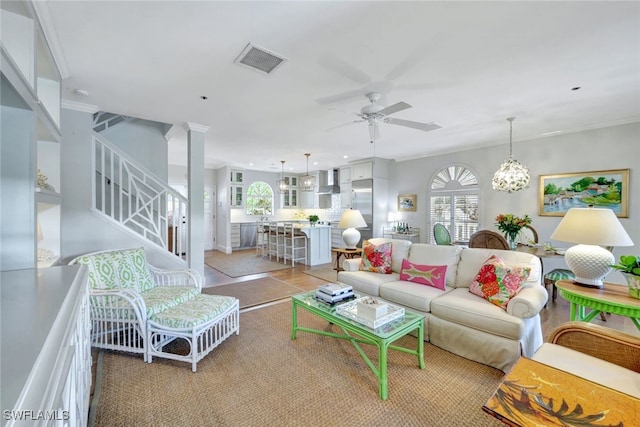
(407, 203)
(629, 266)
(602, 189)
(350, 220)
(307, 182)
(313, 219)
(42, 182)
(591, 228)
(283, 187)
(512, 175)
(511, 226)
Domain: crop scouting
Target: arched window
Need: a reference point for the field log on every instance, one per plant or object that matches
(453, 202)
(259, 199)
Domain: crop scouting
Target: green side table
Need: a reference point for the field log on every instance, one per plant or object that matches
(612, 299)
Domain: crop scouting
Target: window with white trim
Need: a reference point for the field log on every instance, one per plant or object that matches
(259, 200)
(453, 197)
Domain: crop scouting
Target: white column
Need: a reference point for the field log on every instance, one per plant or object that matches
(195, 176)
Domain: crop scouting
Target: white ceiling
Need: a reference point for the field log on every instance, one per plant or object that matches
(464, 65)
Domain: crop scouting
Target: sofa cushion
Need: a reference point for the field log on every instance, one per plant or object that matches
(430, 275)
(399, 251)
(497, 282)
(365, 281)
(118, 269)
(471, 259)
(411, 295)
(162, 298)
(461, 307)
(376, 258)
(422, 253)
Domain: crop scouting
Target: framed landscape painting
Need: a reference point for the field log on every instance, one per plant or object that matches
(600, 189)
(407, 203)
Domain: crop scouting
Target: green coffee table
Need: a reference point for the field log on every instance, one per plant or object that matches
(357, 333)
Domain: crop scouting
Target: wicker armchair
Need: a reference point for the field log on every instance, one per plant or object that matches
(125, 291)
(604, 343)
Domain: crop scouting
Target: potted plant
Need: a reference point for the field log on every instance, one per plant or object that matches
(313, 219)
(629, 266)
(511, 225)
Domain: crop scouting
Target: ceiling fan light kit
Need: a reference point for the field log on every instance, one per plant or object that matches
(512, 175)
(307, 182)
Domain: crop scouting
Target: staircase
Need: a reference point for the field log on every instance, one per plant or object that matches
(131, 197)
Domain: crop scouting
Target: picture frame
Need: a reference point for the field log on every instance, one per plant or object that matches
(601, 189)
(407, 203)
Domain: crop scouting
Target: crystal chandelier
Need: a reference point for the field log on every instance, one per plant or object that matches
(283, 185)
(512, 175)
(307, 182)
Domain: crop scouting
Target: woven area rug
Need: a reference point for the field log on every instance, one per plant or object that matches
(262, 377)
(324, 272)
(242, 263)
(255, 292)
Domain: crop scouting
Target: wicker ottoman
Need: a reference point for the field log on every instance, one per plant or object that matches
(204, 321)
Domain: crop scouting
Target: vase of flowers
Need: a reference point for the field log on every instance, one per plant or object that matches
(629, 266)
(511, 225)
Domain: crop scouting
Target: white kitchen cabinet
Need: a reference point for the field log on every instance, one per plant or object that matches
(345, 195)
(235, 236)
(237, 177)
(289, 198)
(362, 171)
(345, 175)
(236, 196)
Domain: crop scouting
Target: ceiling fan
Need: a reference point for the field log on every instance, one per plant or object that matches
(375, 113)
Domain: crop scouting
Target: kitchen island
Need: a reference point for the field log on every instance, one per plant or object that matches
(318, 244)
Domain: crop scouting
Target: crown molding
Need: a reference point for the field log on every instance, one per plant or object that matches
(189, 126)
(79, 106)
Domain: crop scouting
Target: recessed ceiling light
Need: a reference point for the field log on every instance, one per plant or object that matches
(576, 88)
(251, 164)
(204, 98)
(345, 157)
(315, 163)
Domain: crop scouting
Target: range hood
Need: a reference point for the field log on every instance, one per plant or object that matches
(329, 182)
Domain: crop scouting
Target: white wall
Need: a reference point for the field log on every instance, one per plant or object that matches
(81, 230)
(615, 147)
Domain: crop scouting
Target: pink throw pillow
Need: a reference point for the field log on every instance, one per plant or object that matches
(430, 275)
(376, 258)
(497, 282)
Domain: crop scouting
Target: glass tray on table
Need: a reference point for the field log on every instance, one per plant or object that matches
(350, 311)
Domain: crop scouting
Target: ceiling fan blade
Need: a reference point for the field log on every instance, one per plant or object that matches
(339, 97)
(415, 125)
(414, 57)
(344, 124)
(398, 106)
(344, 68)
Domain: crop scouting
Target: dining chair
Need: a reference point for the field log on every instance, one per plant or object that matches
(488, 239)
(441, 235)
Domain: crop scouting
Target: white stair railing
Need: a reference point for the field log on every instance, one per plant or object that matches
(127, 193)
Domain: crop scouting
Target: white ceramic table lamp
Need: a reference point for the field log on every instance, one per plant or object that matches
(350, 220)
(591, 228)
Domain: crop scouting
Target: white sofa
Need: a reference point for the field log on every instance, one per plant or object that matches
(455, 319)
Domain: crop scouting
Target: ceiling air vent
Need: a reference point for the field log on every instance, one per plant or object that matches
(260, 59)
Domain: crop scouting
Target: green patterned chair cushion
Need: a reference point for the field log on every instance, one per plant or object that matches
(559, 274)
(163, 298)
(120, 269)
(197, 311)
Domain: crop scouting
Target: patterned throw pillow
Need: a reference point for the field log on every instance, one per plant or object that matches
(126, 268)
(430, 275)
(497, 282)
(376, 258)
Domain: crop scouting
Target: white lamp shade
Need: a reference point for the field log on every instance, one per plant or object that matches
(591, 228)
(351, 219)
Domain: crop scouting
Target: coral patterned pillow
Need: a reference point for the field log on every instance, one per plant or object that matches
(376, 258)
(430, 275)
(497, 282)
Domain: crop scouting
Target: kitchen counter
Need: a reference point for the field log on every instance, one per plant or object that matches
(318, 244)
